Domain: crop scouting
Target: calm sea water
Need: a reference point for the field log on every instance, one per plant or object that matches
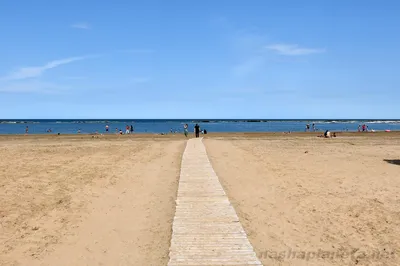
(165, 126)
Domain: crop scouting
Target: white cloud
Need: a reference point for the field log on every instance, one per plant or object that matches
(32, 72)
(81, 26)
(290, 49)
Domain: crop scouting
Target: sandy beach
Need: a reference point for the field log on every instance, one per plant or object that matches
(311, 201)
(87, 202)
(110, 200)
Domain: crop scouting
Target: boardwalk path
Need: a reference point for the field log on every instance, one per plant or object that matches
(206, 229)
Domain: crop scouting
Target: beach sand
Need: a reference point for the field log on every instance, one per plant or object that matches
(323, 197)
(83, 200)
(87, 201)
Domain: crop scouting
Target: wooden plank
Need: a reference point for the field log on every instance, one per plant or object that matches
(206, 229)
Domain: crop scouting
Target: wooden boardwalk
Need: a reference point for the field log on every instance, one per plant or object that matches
(206, 229)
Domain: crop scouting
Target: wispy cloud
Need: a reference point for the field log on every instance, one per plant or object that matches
(293, 49)
(36, 71)
(81, 26)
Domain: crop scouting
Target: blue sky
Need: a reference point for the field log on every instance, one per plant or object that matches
(199, 59)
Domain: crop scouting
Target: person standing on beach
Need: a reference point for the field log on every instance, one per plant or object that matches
(107, 128)
(127, 129)
(359, 128)
(131, 128)
(26, 130)
(185, 130)
(197, 130)
(313, 127)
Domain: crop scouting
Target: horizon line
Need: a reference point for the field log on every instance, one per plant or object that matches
(311, 119)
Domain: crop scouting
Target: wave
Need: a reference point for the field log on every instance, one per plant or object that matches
(383, 122)
(15, 122)
(334, 122)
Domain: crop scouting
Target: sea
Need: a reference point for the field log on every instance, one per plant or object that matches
(166, 126)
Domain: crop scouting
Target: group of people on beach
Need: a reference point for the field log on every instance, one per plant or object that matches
(364, 128)
(128, 130)
(308, 127)
(361, 128)
(196, 130)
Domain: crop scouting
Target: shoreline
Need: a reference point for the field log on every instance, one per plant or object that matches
(208, 135)
(201, 120)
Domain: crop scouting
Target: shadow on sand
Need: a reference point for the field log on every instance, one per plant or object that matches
(396, 162)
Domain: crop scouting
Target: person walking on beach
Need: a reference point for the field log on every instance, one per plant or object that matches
(307, 127)
(26, 130)
(359, 128)
(127, 129)
(107, 128)
(197, 130)
(185, 130)
(131, 128)
(313, 127)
